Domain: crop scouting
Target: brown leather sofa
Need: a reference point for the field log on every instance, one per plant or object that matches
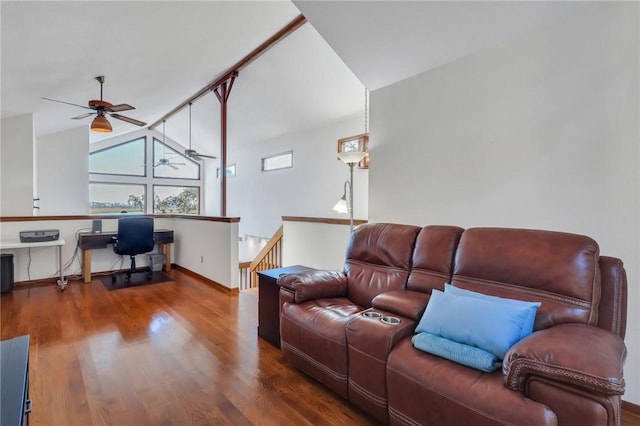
(568, 372)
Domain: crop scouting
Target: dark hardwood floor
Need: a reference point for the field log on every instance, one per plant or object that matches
(179, 353)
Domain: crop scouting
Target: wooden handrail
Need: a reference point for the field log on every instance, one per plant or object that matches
(277, 237)
(270, 257)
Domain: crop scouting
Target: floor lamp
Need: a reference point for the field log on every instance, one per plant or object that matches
(342, 206)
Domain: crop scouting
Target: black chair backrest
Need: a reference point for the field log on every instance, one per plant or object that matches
(135, 235)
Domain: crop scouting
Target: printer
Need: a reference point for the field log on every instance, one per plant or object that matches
(39, 236)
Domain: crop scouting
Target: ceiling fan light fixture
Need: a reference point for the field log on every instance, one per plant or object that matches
(101, 124)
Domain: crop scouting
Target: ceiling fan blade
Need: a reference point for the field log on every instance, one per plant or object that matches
(207, 156)
(195, 157)
(121, 107)
(63, 102)
(172, 166)
(89, 114)
(128, 120)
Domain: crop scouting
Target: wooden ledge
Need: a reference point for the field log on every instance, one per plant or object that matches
(328, 221)
(117, 216)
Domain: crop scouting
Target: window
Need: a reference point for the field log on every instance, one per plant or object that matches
(126, 159)
(230, 171)
(277, 161)
(105, 198)
(169, 163)
(176, 199)
(123, 177)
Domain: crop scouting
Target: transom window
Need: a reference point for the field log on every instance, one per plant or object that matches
(283, 160)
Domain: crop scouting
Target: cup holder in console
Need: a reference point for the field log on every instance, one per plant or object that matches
(390, 320)
(372, 314)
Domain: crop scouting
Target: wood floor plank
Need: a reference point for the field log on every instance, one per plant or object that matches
(179, 353)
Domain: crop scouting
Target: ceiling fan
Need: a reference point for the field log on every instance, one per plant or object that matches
(192, 153)
(164, 161)
(167, 162)
(102, 108)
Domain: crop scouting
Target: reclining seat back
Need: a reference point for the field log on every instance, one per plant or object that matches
(313, 333)
(560, 270)
(433, 258)
(378, 260)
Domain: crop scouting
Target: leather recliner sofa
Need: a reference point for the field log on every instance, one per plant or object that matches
(569, 371)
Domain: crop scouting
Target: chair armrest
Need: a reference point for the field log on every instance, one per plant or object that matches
(578, 354)
(310, 285)
(406, 303)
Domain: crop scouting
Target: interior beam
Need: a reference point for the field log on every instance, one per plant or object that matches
(272, 41)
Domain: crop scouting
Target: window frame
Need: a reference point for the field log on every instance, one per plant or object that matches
(144, 196)
(107, 148)
(148, 180)
(153, 193)
(181, 156)
(280, 154)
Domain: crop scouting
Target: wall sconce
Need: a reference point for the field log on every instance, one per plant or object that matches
(342, 206)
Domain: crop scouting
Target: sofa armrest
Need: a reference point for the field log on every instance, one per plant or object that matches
(316, 284)
(578, 354)
(407, 303)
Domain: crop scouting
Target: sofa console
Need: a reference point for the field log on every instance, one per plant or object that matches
(363, 332)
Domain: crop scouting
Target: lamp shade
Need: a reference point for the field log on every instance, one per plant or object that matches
(101, 124)
(351, 156)
(341, 206)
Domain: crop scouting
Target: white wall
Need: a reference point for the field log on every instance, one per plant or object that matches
(62, 164)
(540, 132)
(316, 245)
(311, 188)
(16, 166)
(216, 243)
(209, 249)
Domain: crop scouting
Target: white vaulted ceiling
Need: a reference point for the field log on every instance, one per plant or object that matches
(156, 54)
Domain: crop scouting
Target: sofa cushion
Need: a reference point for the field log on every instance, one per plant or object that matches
(433, 257)
(559, 269)
(378, 260)
(486, 324)
(457, 352)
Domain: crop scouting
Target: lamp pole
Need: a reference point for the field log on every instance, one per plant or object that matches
(351, 197)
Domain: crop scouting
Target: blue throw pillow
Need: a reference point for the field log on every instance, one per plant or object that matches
(527, 328)
(486, 324)
(457, 352)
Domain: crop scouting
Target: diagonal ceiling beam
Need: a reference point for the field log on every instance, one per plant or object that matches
(272, 41)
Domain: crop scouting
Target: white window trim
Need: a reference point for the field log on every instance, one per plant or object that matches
(280, 154)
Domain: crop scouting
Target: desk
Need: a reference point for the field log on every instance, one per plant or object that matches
(16, 244)
(88, 241)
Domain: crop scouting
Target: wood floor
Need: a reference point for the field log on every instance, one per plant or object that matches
(179, 353)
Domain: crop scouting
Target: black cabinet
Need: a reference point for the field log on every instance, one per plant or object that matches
(268, 302)
(15, 403)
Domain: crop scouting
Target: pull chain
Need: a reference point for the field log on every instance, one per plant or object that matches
(366, 110)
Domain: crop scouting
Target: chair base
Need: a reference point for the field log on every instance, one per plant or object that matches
(132, 270)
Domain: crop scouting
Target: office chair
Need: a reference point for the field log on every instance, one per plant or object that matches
(135, 236)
